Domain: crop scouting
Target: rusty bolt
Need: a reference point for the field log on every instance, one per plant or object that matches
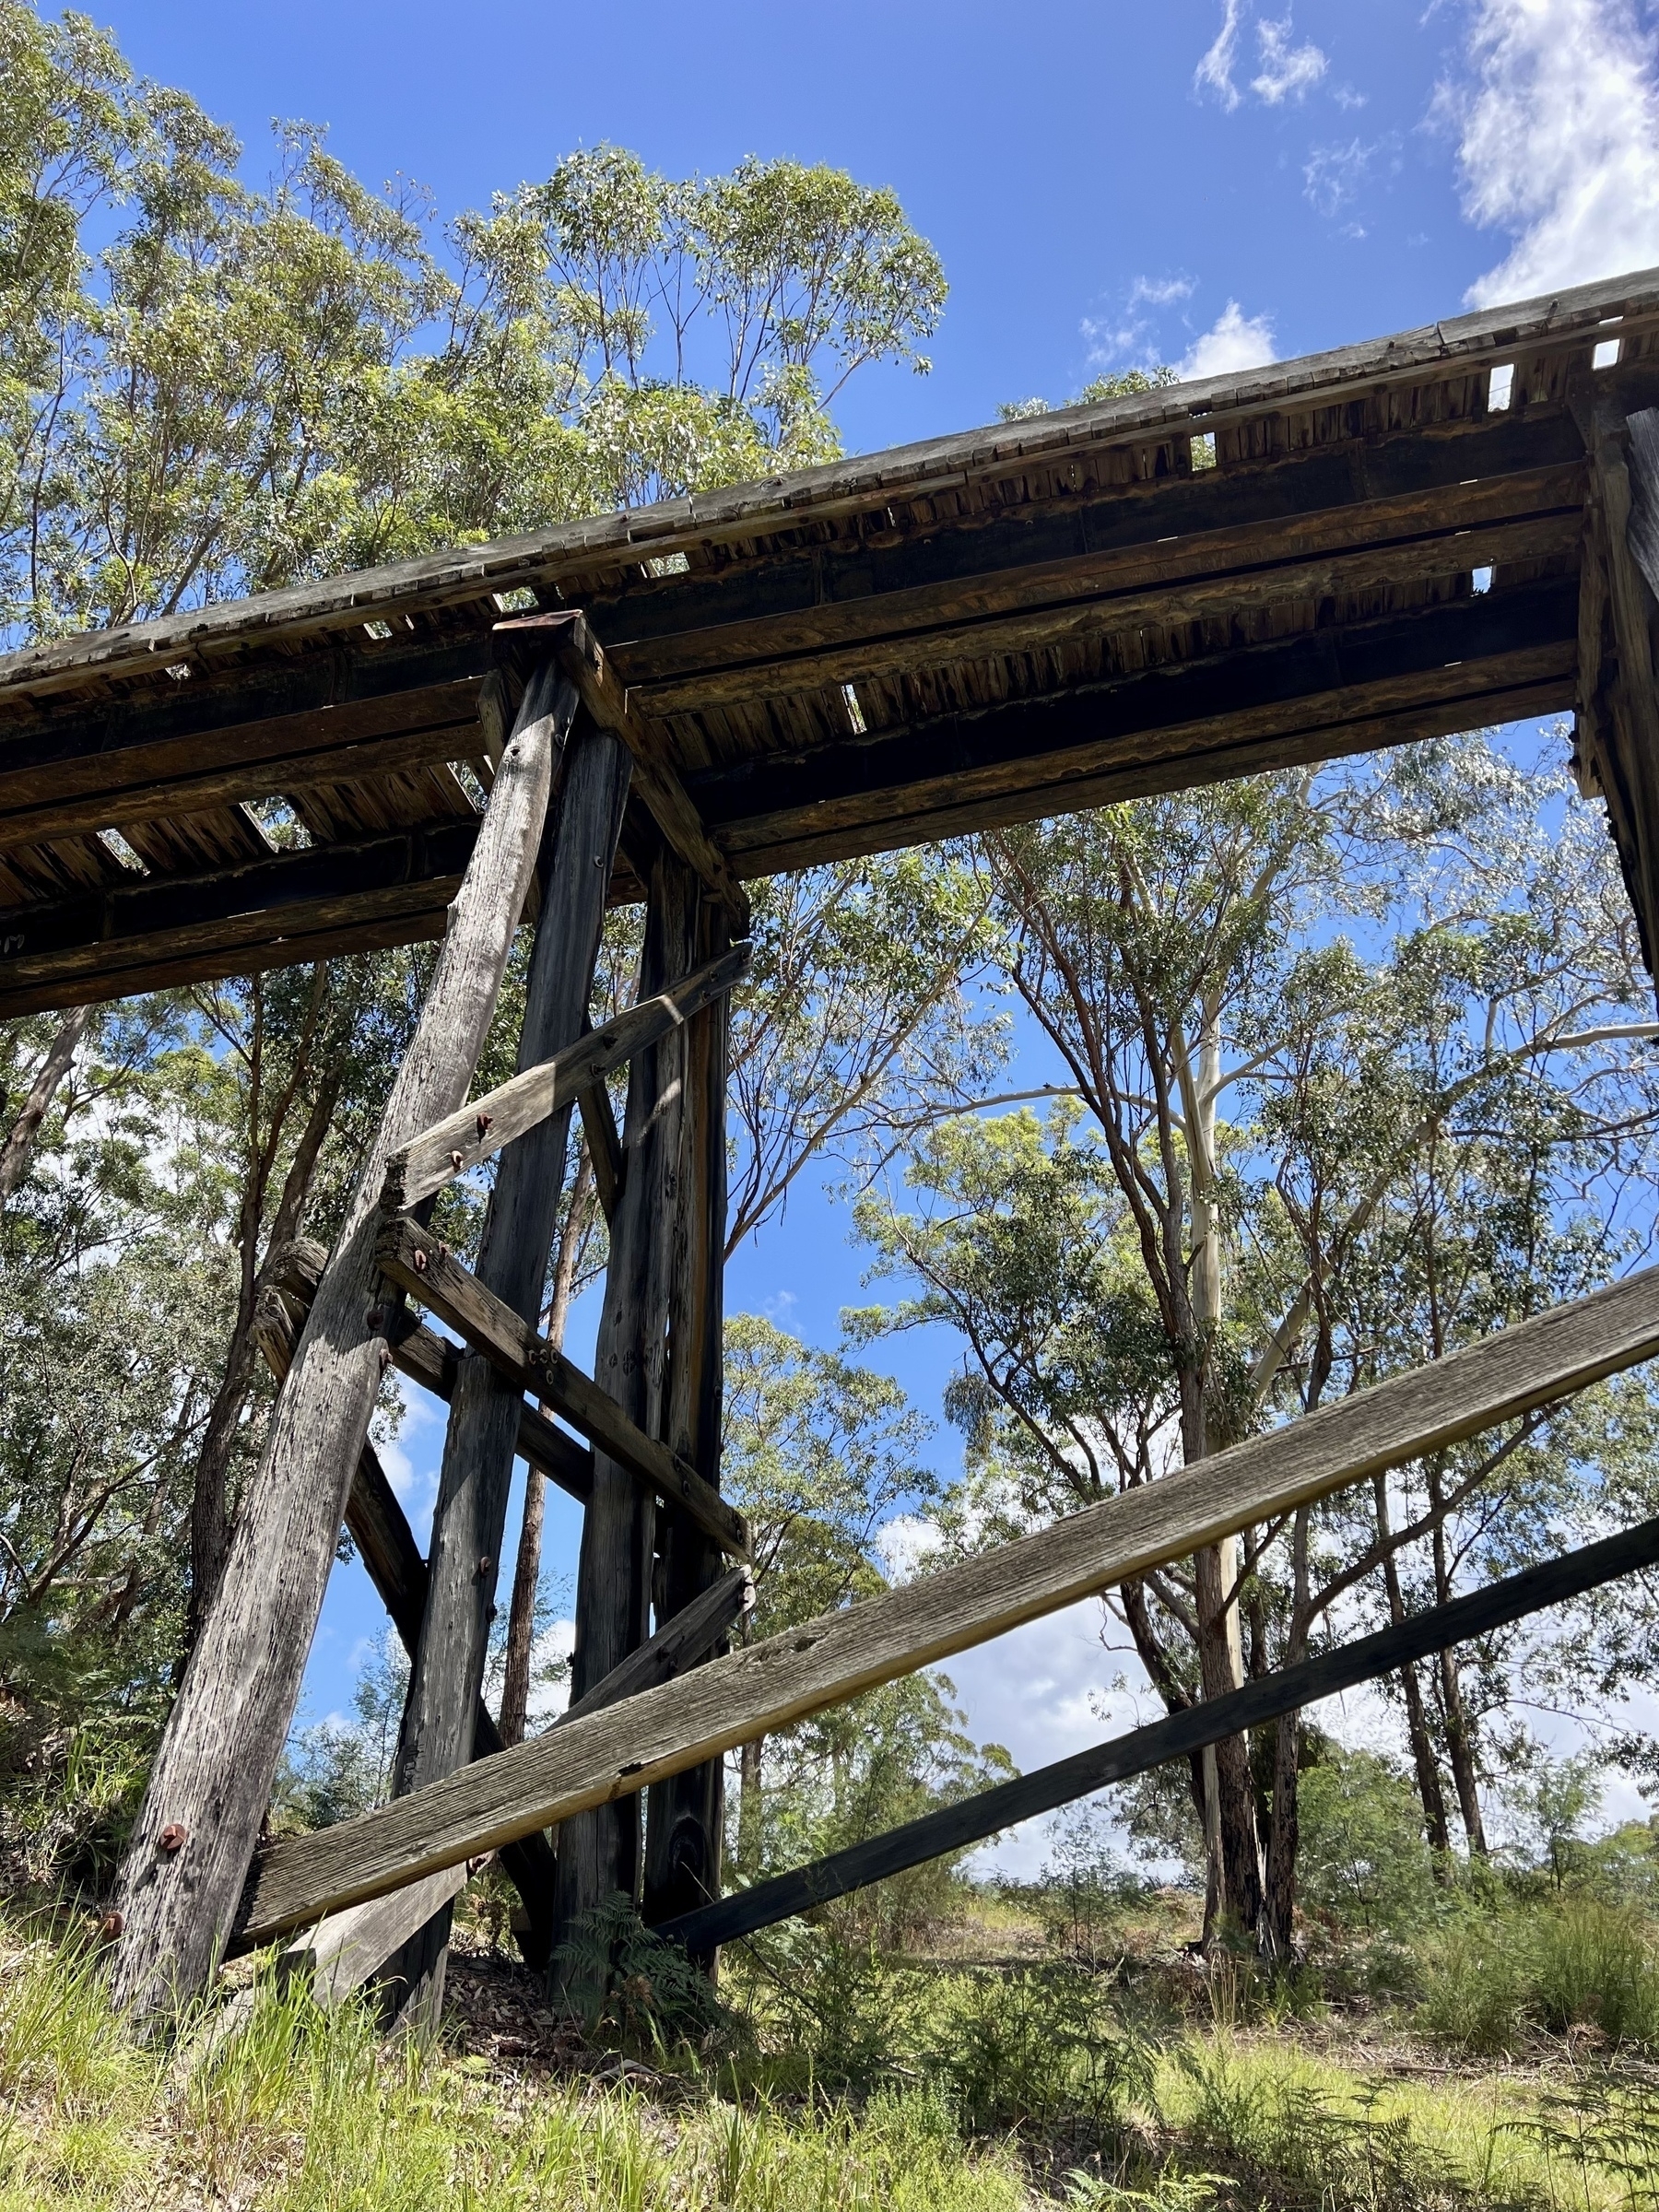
(485, 1564)
(455, 1161)
(110, 1926)
(376, 1318)
(483, 1124)
(421, 1263)
(172, 1837)
(385, 1357)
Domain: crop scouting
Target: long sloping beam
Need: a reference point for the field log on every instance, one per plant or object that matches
(768, 1685)
(415, 1260)
(464, 1140)
(988, 1812)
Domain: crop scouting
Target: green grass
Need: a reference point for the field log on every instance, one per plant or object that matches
(300, 2112)
(956, 2087)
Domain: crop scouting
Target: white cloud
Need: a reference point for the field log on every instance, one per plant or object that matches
(1234, 340)
(1288, 72)
(1333, 175)
(548, 1700)
(1559, 141)
(1124, 336)
(1216, 68)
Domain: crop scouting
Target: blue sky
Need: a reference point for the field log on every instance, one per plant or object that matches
(1209, 182)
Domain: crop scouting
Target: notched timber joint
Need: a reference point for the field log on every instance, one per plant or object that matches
(580, 655)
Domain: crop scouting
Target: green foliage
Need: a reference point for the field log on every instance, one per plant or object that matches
(1362, 1858)
(628, 1985)
(210, 388)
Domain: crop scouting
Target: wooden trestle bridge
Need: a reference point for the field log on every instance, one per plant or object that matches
(1453, 527)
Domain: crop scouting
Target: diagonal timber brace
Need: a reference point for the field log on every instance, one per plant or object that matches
(415, 1260)
(430, 1360)
(766, 1686)
(972, 1820)
(467, 1137)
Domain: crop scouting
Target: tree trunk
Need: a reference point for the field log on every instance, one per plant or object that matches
(1459, 1751)
(18, 1148)
(1221, 1666)
(599, 1851)
(1460, 1746)
(749, 1805)
(684, 1814)
(470, 1518)
(1230, 1822)
(1424, 1762)
(527, 1574)
(177, 1900)
(1284, 1833)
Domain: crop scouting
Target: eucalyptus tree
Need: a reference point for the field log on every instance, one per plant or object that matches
(1356, 1067)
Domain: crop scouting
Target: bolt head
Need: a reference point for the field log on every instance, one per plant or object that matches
(421, 1263)
(172, 1837)
(112, 1925)
(483, 1123)
(455, 1161)
(376, 1318)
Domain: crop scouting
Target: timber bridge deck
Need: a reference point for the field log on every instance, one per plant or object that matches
(1454, 527)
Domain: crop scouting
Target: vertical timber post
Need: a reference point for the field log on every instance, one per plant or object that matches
(599, 1851)
(684, 1817)
(182, 1880)
(579, 849)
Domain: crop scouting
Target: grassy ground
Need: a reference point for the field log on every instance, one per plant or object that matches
(984, 2069)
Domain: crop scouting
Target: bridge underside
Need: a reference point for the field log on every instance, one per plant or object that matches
(1355, 550)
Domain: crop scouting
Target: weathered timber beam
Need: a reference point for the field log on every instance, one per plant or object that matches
(414, 1259)
(211, 1779)
(462, 1140)
(294, 906)
(336, 760)
(1458, 351)
(1642, 433)
(767, 1685)
(1324, 677)
(1401, 482)
(429, 1359)
(655, 779)
(1634, 694)
(242, 720)
(346, 1948)
(795, 841)
(1071, 616)
(988, 1812)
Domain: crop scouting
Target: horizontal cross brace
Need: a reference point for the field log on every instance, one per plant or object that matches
(418, 1263)
(470, 1135)
(768, 1685)
(987, 1813)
